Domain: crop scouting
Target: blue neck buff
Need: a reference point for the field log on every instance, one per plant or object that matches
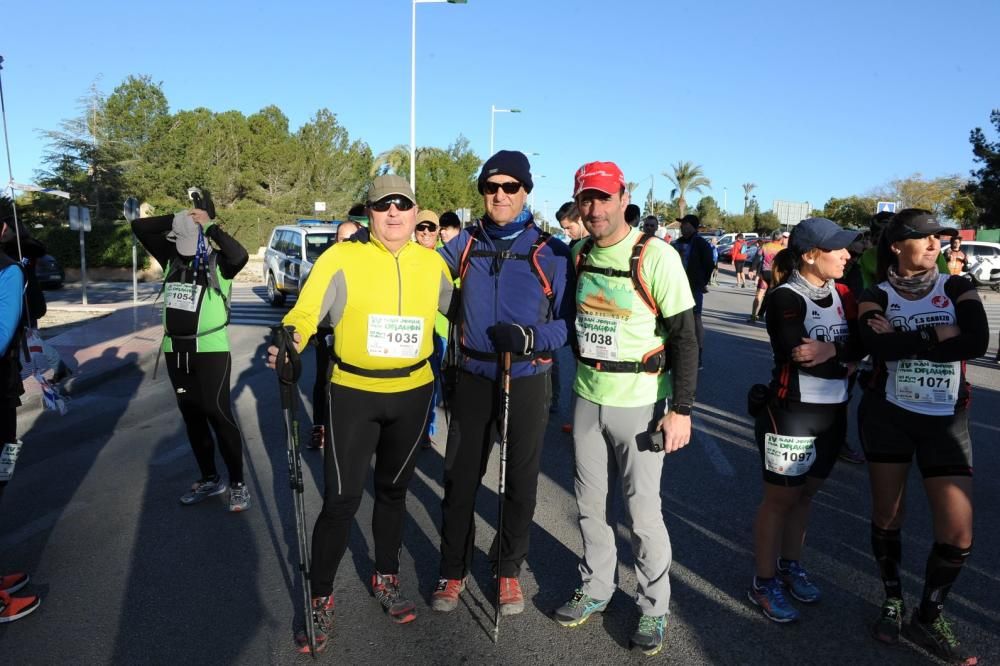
(509, 231)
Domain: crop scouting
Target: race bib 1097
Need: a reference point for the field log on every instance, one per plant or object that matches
(787, 455)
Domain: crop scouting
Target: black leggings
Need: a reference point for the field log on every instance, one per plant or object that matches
(322, 383)
(201, 386)
(389, 426)
(470, 440)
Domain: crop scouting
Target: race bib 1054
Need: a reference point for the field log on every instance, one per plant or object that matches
(179, 296)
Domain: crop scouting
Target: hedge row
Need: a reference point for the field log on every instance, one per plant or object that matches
(110, 245)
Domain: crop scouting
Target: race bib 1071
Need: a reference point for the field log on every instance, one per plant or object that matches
(918, 380)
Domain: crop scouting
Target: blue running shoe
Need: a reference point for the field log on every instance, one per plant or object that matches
(769, 595)
(797, 581)
(578, 610)
(650, 633)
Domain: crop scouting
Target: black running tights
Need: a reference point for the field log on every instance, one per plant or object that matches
(201, 386)
(389, 426)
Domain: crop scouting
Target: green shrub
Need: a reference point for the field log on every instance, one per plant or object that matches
(108, 245)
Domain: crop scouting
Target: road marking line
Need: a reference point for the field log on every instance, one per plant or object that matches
(714, 452)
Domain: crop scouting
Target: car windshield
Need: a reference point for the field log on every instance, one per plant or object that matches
(317, 243)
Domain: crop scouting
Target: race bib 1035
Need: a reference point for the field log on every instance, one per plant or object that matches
(395, 337)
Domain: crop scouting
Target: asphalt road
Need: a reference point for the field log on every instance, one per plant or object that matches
(130, 576)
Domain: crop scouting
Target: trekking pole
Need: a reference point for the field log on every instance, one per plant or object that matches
(289, 367)
(504, 423)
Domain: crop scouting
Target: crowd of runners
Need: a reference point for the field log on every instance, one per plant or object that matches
(410, 311)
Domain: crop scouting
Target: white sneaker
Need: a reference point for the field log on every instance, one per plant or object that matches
(239, 497)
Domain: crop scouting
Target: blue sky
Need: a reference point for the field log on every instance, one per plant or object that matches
(808, 100)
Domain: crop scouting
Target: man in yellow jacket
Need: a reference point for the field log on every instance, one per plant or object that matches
(381, 298)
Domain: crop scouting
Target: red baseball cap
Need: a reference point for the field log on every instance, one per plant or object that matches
(602, 176)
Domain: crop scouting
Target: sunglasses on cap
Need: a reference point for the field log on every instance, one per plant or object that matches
(427, 226)
(382, 205)
(510, 187)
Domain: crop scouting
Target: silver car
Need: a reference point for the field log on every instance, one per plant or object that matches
(291, 252)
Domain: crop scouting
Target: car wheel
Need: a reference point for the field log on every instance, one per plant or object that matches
(274, 296)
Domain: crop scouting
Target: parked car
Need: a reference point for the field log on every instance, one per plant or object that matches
(726, 254)
(730, 238)
(983, 258)
(49, 273)
(291, 252)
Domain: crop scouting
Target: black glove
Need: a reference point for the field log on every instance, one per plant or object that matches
(362, 235)
(511, 338)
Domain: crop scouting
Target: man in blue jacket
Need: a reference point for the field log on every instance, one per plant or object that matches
(517, 297)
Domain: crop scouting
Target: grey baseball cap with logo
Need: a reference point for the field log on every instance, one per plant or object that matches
(389, 185)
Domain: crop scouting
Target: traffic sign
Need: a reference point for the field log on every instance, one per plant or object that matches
(885, 206)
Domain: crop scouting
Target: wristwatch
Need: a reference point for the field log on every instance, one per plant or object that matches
(683, 410)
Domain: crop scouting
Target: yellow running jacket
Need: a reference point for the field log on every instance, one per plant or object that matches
(381, 307)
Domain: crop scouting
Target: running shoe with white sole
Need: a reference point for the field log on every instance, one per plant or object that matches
(239, 498)
(203, 489)
(769, 595)
(650, 633)
(797, 582)
(445, 597)
(14, 608)
(11, 583)
(579, 608)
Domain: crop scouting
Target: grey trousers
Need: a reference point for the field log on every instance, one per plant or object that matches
(612, 444)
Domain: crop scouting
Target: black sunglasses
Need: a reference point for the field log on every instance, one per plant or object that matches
(427, 226)
(382, 205)
(511, 187)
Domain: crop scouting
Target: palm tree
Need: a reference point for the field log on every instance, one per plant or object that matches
(747, 189)
(687, 177)
(396, 160)
(630, 186)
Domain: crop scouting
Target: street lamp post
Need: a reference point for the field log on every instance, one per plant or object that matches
(493, 113)
(413, 86)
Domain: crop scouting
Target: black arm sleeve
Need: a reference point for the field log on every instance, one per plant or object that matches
(853, 350)
(683, 350)
(152, 233)
(785, 316)
(232, 256)
(888, 346)
(971, 342)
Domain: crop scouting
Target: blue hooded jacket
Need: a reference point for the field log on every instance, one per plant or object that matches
(504, 289)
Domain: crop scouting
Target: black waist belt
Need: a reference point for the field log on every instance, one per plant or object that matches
(493, 356)
(634, 367)
(390, 373)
